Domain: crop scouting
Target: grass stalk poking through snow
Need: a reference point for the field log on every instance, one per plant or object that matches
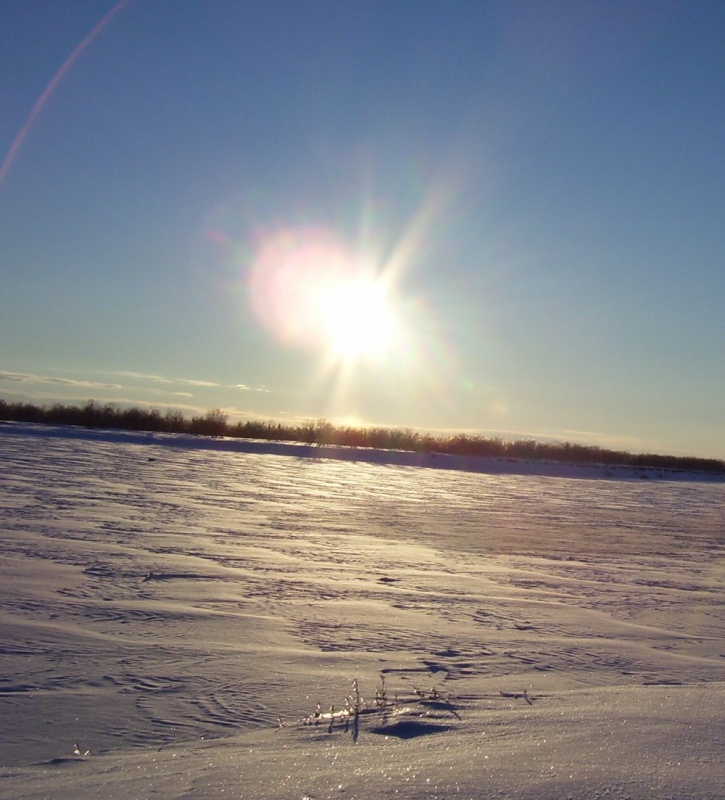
(355, 706)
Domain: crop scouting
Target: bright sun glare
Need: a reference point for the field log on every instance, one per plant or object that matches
(311, 291)
(358, 319)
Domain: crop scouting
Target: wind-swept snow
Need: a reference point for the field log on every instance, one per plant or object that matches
(165, 608)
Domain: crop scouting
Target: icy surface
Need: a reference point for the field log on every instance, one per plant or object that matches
(163, 608)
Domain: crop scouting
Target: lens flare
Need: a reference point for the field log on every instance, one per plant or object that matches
(372, 345)
(53, 83)
(309, 289)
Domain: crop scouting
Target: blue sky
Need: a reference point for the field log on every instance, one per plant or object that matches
(533, 192)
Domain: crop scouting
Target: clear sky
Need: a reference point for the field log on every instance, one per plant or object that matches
(502, 217)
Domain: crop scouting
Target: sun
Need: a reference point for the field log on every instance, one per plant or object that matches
(314, 292)
(358, 319)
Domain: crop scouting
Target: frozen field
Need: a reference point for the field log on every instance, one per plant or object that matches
(166, 607)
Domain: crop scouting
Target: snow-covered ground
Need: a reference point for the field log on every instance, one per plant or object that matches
(487, 465)
(166, 607)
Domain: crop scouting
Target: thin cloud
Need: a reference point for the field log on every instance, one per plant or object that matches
(161, 406)
(197, 383)
(244, 388)
(16, 376)
(167, 392)
(124, 402)
(22, 377)
(242, 415)
(84, 384)
(141, 376)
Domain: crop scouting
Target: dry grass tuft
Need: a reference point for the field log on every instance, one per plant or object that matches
(347, 716)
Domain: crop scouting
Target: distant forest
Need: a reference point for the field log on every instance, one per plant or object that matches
(215, 423)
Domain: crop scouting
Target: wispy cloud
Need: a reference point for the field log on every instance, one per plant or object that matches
(141, 376)
(42, 396)
(167, 392)
(129, 401)
(137, 388)
(201, 384)
(244, 388)
(190, 382)
(23, 377)
(160, 405)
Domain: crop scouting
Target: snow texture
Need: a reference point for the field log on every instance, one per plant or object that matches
(173, 609)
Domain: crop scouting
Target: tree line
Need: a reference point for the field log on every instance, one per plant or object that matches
(216, 423)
